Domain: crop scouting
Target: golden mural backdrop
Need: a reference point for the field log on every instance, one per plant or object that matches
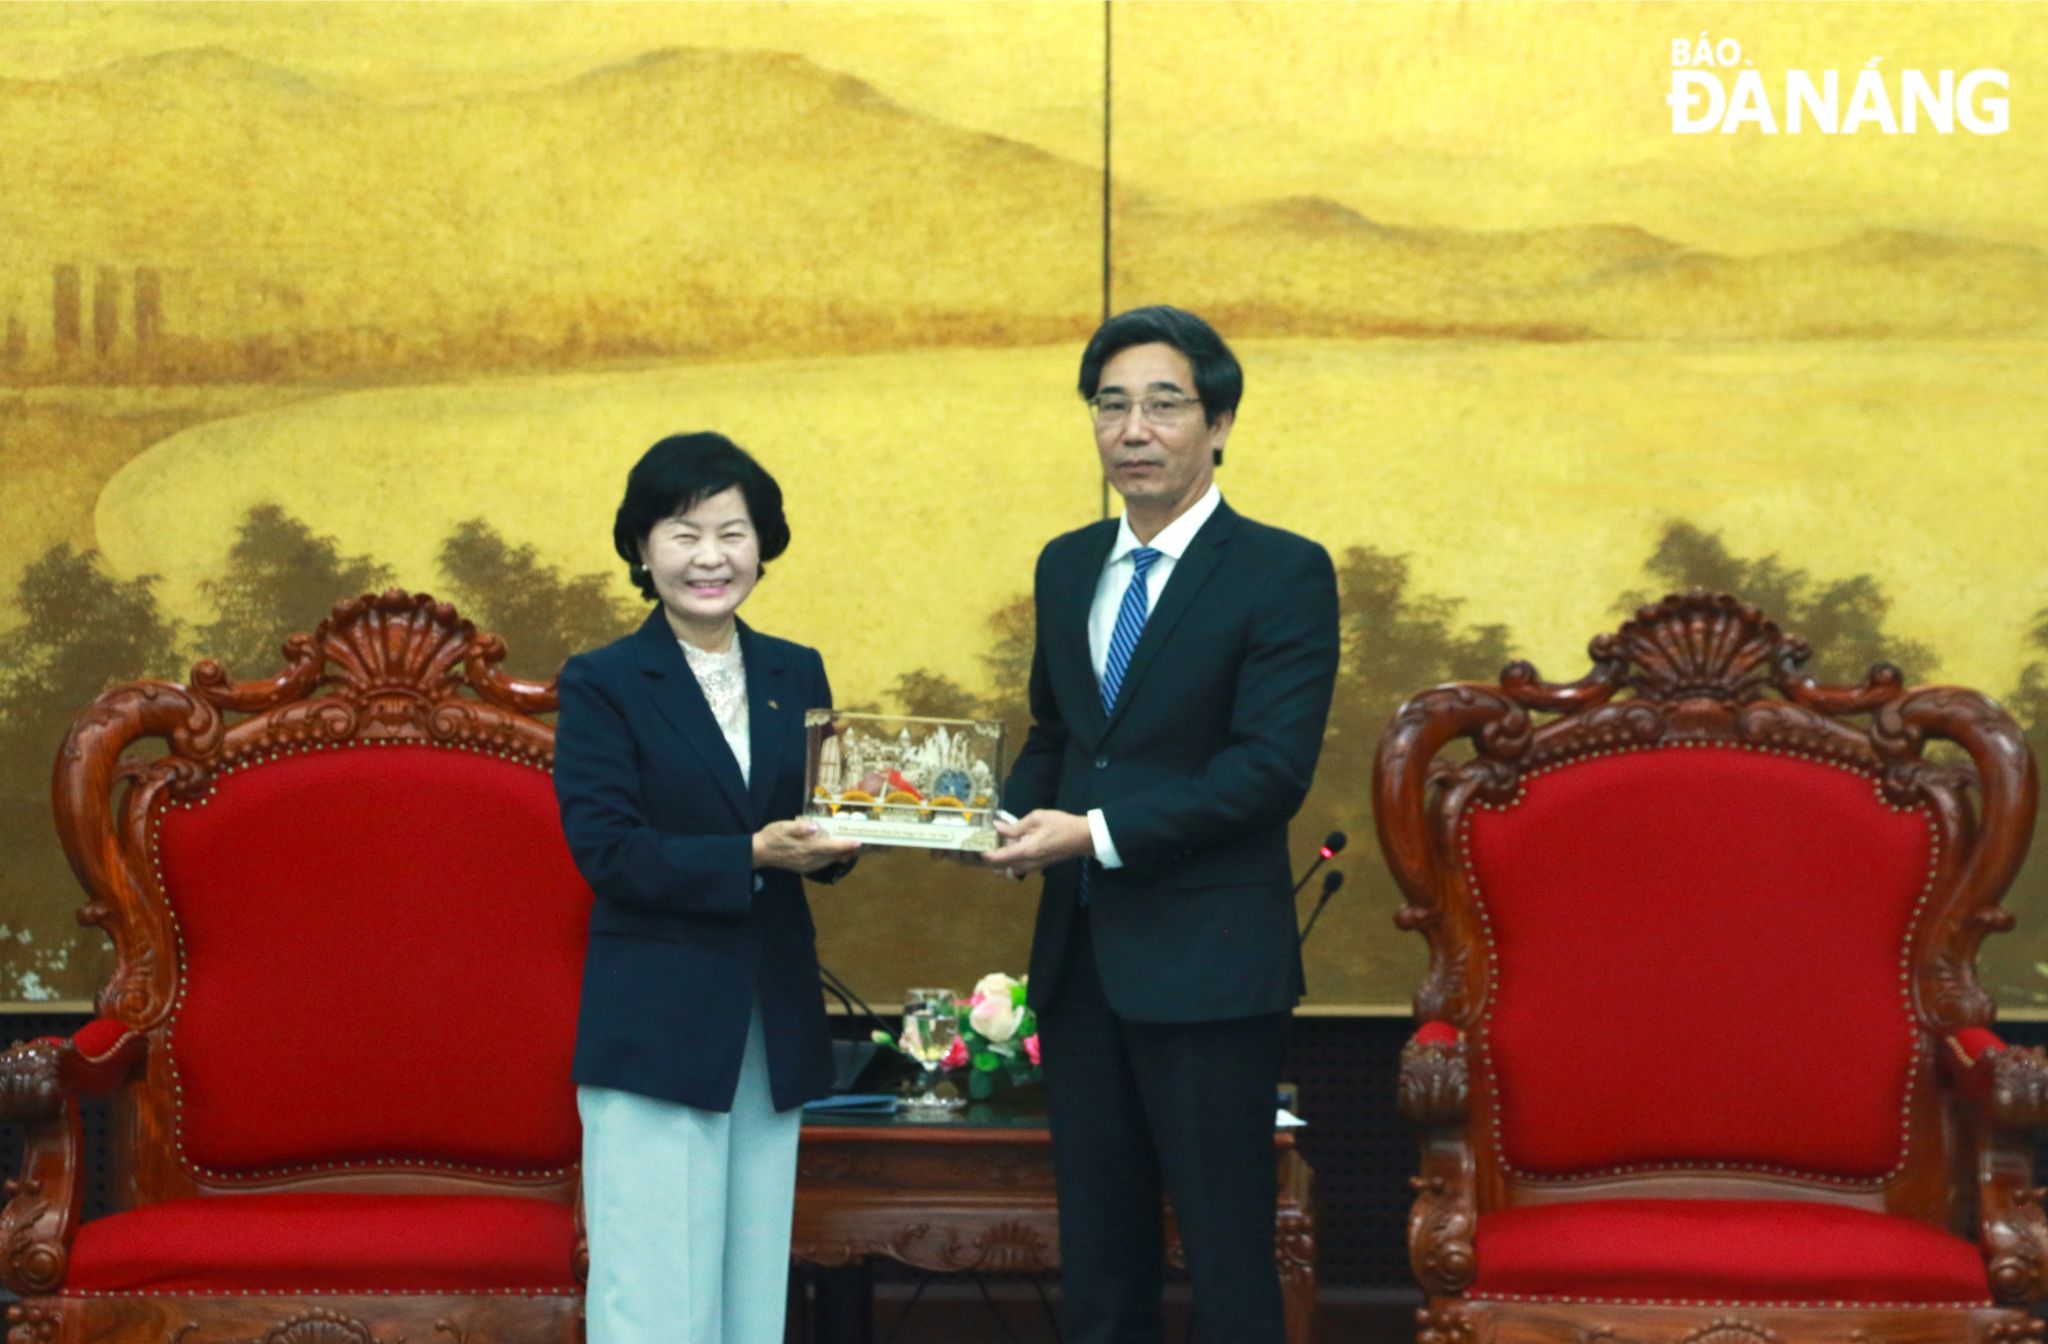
(1542, 307)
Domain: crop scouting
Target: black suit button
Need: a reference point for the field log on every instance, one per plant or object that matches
(1102, 762)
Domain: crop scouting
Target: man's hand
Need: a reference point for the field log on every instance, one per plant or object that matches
(1040, 839)
(798, 847)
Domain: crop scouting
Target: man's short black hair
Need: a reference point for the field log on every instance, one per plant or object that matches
(1219, 381)
(680, 472)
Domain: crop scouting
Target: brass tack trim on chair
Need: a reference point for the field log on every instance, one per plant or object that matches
(1721, 1304)
(322, 1292)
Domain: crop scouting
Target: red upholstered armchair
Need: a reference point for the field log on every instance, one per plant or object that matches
(1702, 1056)
(336, 1041)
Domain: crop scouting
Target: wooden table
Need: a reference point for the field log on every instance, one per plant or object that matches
(974, 1191)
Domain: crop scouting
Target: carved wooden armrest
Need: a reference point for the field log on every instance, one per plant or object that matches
(31, 1080)
(35, 1076)
(1433, 1083)
(2009, 1087)
(2009, 1083)
(2011, 1231)
(40, 1083)
(1445, 1215)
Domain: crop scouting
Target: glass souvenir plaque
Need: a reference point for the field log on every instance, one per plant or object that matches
(891, 779)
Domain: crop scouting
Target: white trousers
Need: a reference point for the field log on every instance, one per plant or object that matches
(689, 1213)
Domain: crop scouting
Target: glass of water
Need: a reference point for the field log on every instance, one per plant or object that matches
(931, 1024)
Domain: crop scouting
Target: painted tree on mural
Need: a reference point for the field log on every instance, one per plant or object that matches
(84, 630)
(2029, 701)
(542, 615)
(280, 577)
(2027, 974)
(1012, 628)
(1394, 642)
(1843, 619)
(933, 695)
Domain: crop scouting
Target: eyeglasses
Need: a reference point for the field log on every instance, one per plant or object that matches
(1158, 408)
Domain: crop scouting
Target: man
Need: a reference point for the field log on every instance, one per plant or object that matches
(1184, 665)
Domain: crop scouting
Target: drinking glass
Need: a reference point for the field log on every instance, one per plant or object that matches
(931, 1024)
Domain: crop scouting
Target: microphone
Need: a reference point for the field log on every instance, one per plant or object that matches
(846, 995)
(832, 988)
(1333, 845)
(1331, 882)
(853, 1062)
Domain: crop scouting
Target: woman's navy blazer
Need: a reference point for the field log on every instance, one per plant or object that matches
(685, 935)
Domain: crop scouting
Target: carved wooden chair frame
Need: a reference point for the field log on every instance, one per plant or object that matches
(1699, 669)
(384, 669)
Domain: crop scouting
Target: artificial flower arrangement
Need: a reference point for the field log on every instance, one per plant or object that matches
(998, 1040)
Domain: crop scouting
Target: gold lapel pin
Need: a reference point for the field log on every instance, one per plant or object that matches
(773, 705)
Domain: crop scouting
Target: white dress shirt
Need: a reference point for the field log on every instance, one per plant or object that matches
(1171, 543)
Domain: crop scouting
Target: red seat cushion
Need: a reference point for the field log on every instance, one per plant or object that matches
(1750, 1251)
(329, 1244)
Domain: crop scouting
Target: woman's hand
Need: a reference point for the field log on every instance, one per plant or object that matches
(799, 847)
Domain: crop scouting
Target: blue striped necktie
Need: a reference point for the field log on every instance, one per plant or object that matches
(1130, 623)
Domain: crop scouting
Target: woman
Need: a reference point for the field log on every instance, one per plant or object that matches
(702, 1030)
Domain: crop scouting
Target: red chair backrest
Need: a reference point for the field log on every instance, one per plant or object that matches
(1697, 959)
(381, 948)
(1702, 921)
(342, 911)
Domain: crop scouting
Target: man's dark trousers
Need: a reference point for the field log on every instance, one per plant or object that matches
(1213, 1084)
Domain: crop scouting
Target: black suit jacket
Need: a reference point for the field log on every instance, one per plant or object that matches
(1198, 767)
(685, 936)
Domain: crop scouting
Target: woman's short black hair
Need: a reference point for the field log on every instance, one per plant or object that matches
(1219, 379)
(678, 473)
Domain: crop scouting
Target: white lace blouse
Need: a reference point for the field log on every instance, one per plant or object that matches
(723, 677)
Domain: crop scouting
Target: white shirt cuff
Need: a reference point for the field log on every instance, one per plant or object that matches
(1105, 848)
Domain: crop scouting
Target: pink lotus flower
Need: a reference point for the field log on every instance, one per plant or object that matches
(1031, 1049)
(956, 1055)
